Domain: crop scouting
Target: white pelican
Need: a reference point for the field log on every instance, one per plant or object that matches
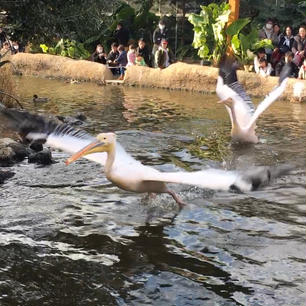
(238, 103)
(121, 168)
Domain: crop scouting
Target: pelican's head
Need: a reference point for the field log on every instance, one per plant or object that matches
(105, 143)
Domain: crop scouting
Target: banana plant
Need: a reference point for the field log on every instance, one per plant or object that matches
(245, 44)
(209, 31)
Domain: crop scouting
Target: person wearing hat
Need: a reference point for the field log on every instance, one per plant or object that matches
(161, 32)
(163, 56)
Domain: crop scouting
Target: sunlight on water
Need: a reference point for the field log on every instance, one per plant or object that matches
(69, 237)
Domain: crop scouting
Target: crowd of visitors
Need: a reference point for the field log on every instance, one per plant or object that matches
(125, 53)
(287, 48)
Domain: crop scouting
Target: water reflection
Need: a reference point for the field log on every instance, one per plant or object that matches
(69, 237)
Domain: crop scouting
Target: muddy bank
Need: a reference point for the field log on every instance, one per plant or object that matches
(183, 76)
(46, 65)
(179, 76)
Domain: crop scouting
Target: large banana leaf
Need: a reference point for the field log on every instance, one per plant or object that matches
(237, 26)
(209, 30)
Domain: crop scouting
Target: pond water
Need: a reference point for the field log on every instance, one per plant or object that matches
(69, 237)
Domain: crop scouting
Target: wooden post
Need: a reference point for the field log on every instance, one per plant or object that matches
(234, 4)
(234, 15)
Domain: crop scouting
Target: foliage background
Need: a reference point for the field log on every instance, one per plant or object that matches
(93, 21)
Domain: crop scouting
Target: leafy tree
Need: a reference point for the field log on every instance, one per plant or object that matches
(46, 20)
(286, 12)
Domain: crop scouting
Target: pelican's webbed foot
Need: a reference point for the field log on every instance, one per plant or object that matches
(180, 203)
(228, 102)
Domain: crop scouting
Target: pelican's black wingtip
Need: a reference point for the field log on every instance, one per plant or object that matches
(285, 73)
(24, 122)
(227, 69)
(262, 176)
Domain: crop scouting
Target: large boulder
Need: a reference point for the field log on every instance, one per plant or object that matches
(11, 152)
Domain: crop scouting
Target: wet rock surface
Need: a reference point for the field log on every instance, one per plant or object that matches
(43, 157)
(11, 152)
(5, 174)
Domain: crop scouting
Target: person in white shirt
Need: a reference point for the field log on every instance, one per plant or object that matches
(265, 68)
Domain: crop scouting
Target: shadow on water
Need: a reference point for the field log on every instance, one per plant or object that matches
(69, 237)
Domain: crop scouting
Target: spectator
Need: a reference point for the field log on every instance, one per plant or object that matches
(288, 58)
(143, 51)
(121, 60)
(5, 48)
(163, 56)
(285, 45)
(121, 34)
(266, 33)
(276, 35)
(131, 56)
(299, 46)
(261, 53)
(3, 37)
(112, 56)
(286, 41)
(99, 55)
(160, 33)
(15, 47)
(140, 61)
(265, 68)
(302, 71)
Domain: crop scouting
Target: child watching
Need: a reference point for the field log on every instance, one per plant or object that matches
(302, 71)
(131, 56)
(122, 61)
(265, 68)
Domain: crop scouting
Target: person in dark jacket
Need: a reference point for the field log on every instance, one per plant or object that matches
(3, 37)
(121, 60)
(99, 55)
(121, 35)
(143, 51)
(288, 58)
(299, 46)
(286, 41)
(285, 44)
(112, 56)
(163, 56)
(160, 33)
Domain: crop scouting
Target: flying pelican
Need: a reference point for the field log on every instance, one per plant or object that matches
(238, 103)
(121, 168)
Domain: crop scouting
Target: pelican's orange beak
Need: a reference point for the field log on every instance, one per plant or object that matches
(93, 147)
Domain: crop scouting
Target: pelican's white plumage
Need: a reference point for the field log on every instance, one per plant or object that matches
(241, 109)
(121, 168)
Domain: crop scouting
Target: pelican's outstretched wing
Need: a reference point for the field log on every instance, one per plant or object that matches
(228, 87)
(273, 95)
(60, 136)
(218, 179)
